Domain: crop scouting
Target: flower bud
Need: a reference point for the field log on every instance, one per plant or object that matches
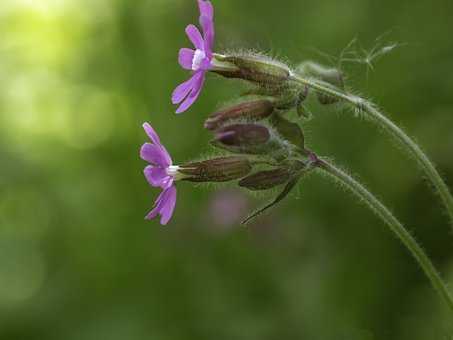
(249, 138)
(254, 68)
(217, 170)
(242, 136)
(256, 109)
(265, 180)
(330, 76)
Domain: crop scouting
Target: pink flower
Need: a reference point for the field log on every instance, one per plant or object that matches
(161, 174)
(199, 60)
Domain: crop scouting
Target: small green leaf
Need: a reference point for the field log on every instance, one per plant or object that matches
(291, 184)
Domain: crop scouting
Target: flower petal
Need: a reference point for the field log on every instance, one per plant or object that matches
(198, 80)
(156, 176)
(182, 91)
(208, 33)
(168, 182)
(151, 133)
(195, 36)
(169, 204)
(164, 206)
(155, 154)
(157, 207)
(186, 58)
(156, 140)
(206, 8)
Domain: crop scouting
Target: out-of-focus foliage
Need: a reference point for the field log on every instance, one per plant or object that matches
(77, 260)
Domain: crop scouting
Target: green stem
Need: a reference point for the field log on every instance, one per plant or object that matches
(381, 120)
(395, 226)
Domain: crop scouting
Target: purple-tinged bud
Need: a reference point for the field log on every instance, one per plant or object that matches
(255, 68)
(252, 138)
(249, 138)
(256, 109)
(242, 137)
(330, 76)
(222, 169)
(265, 180)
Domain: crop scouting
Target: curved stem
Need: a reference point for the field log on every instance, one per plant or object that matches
(381, 120)
(395, 226)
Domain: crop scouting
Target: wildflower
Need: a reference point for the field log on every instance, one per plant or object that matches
(161, 174)
(199, 60)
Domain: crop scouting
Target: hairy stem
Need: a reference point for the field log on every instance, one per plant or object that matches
(395, 226)
(398, 134)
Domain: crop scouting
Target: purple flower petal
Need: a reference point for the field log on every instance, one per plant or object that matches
(155, 154)
(206, 9)
(195, 36)
(207, 23)
(168, 182)
(157, 207)
(208, 32)
(151, 133)
(169, 205)
(198, 80)
(183, 90)
(164, 206)
(186, 58)
(156, 176)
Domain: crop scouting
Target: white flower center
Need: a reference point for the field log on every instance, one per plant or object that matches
(172, 171)
(198, 58)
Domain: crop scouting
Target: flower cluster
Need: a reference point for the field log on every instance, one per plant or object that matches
(264, 149)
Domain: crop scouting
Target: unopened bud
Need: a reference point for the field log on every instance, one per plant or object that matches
(330, 76)
(217, 170)
(254, 110)
(242, 136)
(249, 138)
(254, 68)
(265, 180)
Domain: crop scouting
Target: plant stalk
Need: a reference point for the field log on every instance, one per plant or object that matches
(398, 134)
(396, 227)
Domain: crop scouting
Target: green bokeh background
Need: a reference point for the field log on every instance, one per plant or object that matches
(77, 260)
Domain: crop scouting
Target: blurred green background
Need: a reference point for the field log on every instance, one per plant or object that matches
(77, 259)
